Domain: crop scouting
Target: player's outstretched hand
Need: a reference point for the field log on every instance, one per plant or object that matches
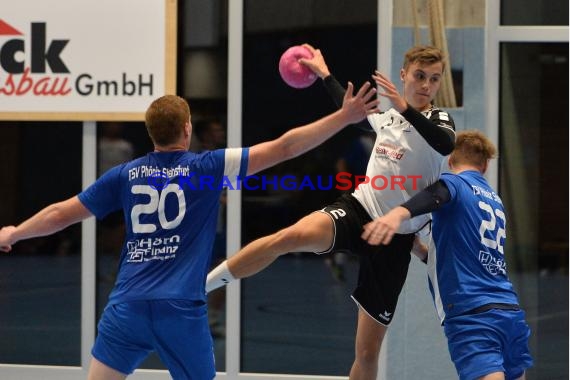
(6, 238)
(357, 107)
(317, 64)
(390, 91)
(382, 229)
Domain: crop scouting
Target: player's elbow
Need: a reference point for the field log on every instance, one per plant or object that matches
(286, 149)
(446, 147)
(57, 217)
(289, 152)
(448, 144)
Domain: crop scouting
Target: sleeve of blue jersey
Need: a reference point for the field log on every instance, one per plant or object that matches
(452, 182)
(228, 165)
(103, 196)
(244, 162)
(235, 165)
(213, 163)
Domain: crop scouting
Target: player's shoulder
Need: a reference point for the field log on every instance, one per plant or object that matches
(219, 158)
(454, 182)
(122, 168)
(381, 116)
(378, 115)
(455, 185)
(207, 157)
(469, 180)
(435, 111)
(135, 161)
(449, 177)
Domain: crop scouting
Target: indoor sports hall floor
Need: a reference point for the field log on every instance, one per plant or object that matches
(295, 311)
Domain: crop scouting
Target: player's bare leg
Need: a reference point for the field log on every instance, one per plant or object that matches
(100, 371)
(313, 233)
(369, 336)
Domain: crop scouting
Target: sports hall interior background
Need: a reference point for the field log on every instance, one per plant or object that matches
(296, 317)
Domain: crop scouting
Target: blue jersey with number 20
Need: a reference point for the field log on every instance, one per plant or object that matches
(170, 201)
(469, 233)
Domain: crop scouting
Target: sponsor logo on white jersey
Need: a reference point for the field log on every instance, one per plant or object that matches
(392, 152)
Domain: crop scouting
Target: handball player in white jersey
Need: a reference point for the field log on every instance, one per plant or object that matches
(158, 302)
(412, 141)
(476, 302)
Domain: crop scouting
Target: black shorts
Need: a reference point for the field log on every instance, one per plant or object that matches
(383, 268)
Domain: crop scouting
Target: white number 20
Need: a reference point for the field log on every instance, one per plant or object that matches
(156, 204)
(490, 225)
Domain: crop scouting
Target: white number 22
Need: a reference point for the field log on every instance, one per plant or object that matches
(490, 225)
(156, 204)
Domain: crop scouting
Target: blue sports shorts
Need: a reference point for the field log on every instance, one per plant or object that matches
(176, 329)
(492, 341)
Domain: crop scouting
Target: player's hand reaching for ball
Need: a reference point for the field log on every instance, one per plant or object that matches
(357, 107)
(317, 63)
(6, 238)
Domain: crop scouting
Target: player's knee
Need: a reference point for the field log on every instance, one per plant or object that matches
(368, 355)
(290, 236)
(366, 361)
(296, 238)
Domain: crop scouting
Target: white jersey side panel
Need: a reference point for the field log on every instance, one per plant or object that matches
(432, 275)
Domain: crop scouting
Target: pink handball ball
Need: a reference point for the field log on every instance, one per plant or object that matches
(293, 73)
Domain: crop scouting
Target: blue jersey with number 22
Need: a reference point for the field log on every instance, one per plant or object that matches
(469, 233)
(170, 201)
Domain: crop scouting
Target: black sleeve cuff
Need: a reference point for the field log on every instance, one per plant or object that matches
(335, 89)
(429, 199)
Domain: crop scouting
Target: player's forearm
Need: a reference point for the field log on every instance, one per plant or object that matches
(302, 139)
(51, 219)
(400, 214)
(294, 142)
(46, 222)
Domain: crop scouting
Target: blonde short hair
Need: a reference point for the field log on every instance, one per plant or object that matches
(472, 148)
(424, 54)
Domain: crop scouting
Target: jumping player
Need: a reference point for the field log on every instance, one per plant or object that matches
(485, 327)
(412, 139)
(159, 302)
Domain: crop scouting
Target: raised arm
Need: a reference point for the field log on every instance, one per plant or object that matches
(318, 65)
(335, 90)
(302, 139)
(438, 131)
(51, 219)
